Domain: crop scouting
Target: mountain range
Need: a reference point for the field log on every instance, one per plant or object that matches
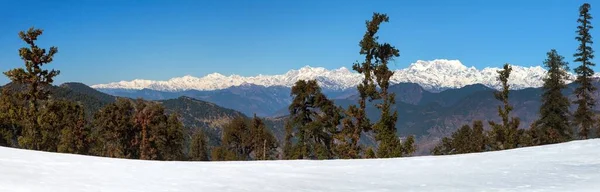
(265, 95)
(435, 76)
(430, 116)
(194, 114)
(248, 99)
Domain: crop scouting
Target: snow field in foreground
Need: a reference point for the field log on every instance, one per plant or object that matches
(572, 166)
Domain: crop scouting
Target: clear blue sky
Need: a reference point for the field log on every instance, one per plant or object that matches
(109, 40)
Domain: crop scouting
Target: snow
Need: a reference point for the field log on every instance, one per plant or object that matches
(573, 166)
(434, 75)
(441, 74)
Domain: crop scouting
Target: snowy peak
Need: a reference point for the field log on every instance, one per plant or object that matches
(434, 75)
(215, 76)
(441, 74)
(337, 79)
(437, 65)
(135, 84)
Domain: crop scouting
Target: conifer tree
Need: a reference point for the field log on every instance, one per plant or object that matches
(11, 117)
(553, 125)
(62, 123)
(289, 151)
(139, 130)
(50, 121)
(313, 122)
(198, 147)
(584, 116)
(376, 73)
(531, 136)
(174, 140)
(374, 70)
(505, 135)
(36, 79)
(264, 144)
(237, 138)
(75, 133)
(356, 121)
(385, 128)
(117, 136)
(151, 122)
(6, 134)
(464, 140)
(346, 144)
(478, 142)
(249, 140)
(221, 153)
(33, 75)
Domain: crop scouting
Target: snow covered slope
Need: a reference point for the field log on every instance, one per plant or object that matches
(435, 75)
(573, 166)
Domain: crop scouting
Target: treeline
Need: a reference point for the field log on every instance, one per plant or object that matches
(555, 124)
(31, 118)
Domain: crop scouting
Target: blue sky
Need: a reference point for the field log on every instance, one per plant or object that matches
(112, 40)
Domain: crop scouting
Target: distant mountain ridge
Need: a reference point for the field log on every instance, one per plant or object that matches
(194, 114)
(248, 99)
(435, 76)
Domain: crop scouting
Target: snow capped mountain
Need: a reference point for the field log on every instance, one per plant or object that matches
(337, 79)
(435, 75)
(442, 74)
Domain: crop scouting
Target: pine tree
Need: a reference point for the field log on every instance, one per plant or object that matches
(33, 75)
(355, 121)
(553, 125)
(377, 57)
(264, 144)
(6, 134)
(446, 145)
(221, 153)
(198, 147)
(237, 138)
(464, 140)
(36, 79)
(289, 151)
(139, 130)
(50, 121)
(151, 122)
(313, 122)
(584, 116)
(385, 129)
(530, 137)
(478, 141)
(505, 135)
(63, 127)
(11, 117)
(249, 140)
(75, 133)
(174, 140)
(116, 134)
(346, 139)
